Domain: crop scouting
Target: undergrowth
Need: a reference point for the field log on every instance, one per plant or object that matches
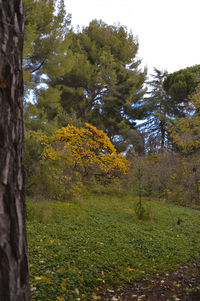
(77, 248)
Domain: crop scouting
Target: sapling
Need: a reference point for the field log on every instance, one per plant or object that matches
(140, 210)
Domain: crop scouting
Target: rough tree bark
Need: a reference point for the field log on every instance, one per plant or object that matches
(13, 244)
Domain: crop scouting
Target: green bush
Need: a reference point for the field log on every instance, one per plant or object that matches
(166, 176)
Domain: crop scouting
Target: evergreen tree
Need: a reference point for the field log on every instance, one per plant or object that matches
(47, 37)
(13, 242)
(180, 85)
(46, 42)
(185, 131)
(104, 82)
(159, 109)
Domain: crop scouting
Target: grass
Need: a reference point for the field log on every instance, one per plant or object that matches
(77, 248)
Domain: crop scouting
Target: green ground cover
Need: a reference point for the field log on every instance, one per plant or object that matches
(77, 248)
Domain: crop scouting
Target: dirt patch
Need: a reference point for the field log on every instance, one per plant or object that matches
(182, 284)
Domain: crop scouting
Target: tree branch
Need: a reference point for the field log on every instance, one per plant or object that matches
(37, 68)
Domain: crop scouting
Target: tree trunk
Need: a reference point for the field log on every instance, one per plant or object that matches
(13, 243)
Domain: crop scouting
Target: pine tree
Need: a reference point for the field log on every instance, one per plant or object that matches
(13, 243)
(46, 42)
(104, 82)
(185, 131)
(180, 85)
(159, 108)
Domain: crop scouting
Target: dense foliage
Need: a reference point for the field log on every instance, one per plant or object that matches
(70, 158)
(93, 77)
(185, 131)
(46, 28)
(86, 149)
(104, 82)
(100, 82)
(180, 85)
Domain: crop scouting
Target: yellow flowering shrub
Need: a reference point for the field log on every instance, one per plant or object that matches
(85, 149)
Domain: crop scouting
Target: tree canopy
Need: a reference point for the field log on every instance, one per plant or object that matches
(185, 131)
(181, 84)
(45, 43)
(104, 82)
(86, 149)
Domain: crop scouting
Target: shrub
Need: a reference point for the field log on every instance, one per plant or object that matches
(72, 159)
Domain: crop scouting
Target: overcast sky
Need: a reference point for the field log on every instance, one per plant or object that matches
(168, 30)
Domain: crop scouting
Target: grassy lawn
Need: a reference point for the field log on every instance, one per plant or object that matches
(76, 248)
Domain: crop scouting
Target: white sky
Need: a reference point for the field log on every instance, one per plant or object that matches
(168, 30)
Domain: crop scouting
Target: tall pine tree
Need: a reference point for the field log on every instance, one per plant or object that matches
(13, 243)
(105, 81)
(158, 106)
